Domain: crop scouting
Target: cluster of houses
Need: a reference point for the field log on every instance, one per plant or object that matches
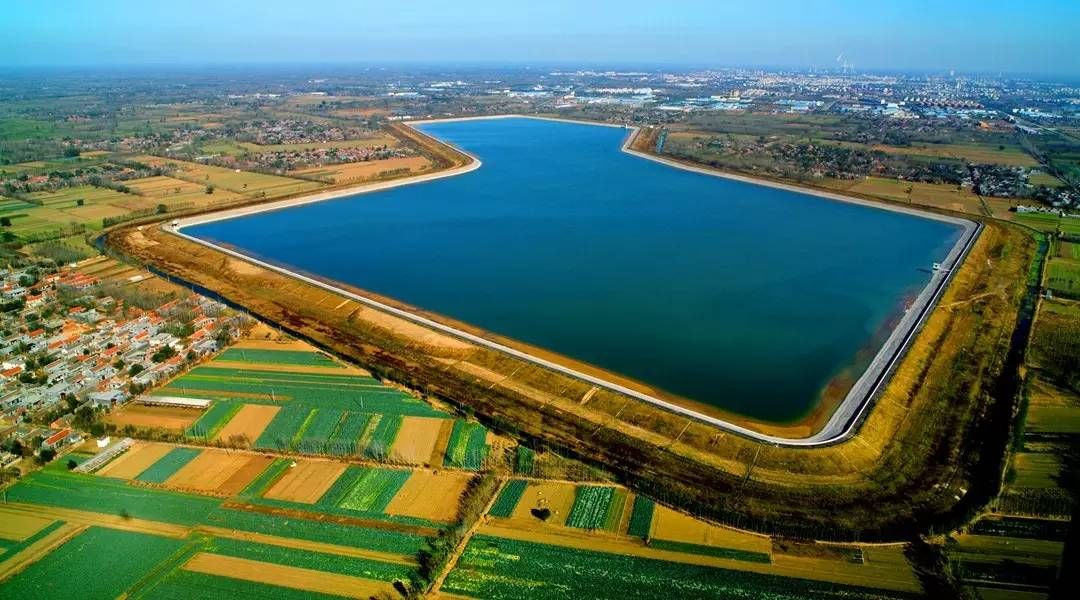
(70, 341)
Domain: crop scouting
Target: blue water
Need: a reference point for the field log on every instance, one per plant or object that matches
(735, 295)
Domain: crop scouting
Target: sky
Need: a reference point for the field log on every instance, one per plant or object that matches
(1032, 36)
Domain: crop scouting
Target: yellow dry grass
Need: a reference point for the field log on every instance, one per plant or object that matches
(136, 460)
(308, 580)
(430, 495)
(306, 482)
(416, 439)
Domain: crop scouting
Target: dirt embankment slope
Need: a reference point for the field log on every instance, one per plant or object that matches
(908, 467)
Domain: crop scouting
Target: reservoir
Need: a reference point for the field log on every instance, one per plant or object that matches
(743, 297)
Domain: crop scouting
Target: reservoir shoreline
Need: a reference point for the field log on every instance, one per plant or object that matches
(844, 419)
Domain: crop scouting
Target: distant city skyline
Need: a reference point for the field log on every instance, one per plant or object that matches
(1036, 37)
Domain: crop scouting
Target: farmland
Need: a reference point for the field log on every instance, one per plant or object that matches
(501, 568)
(300, 401)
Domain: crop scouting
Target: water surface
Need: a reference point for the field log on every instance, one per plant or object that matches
(735, 295)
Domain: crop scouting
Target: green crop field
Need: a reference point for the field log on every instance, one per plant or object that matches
(111, 496)
(380, 437)
(189, 585)
(1039, 221)
(279, 434)
(168, 465)
(307, 559)
(1063, 276)
(345, 392)
(508, 498)
(1017, 527)
(1069, 250)
(467, 447)
(497, 569)
(524, 457)
(590, 506)
(728, 553)
(264, 480)
(98, 563)
(320, 428)
(382, 540)
(210, 423)
(344, 440)
(278, 357)
(342, 486)
(613, 516)
(374, 489)
(641, 518)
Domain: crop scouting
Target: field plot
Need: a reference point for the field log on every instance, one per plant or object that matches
(508, 499)
(975, 153)
(557, 497)
(177, 192)
(467, 447)
(136, 460)
(142, 416)
(393, 541)
(278, 357)
(99, 563)
(166, 466)
(186, 585)
(285, 425)
(374, 490)
(416, 440)
(307, 580)
(1063, 276)
(379, 436)
(366, 171)
(431, 496)
(248, 423)
(642, 517)
(307, 559)
(672, 530)
(18, 528)
(320, 427)
(500, 568)
(590, 506)
(244, 183)
(213, 420)
(1036, 470)
(306, 482)
(219, 472)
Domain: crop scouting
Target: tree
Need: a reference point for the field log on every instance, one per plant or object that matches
(71, 464)
(162, 209)
(209, 189)
(164, 354)
(5, 221)
(46, 455)
(71, 152)
(135, 370)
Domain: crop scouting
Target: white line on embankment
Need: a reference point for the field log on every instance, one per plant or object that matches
(845, 419)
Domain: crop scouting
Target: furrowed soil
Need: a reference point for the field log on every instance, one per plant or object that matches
(415, 442)
(308, 580)
(218, 472)
(430, 495)
(306, 482)
(142, 416)
(939, 426)
(248, 423)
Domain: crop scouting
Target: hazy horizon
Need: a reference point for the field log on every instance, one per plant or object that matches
(1035, 38)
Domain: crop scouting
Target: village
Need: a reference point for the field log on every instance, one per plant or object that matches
(80, 339)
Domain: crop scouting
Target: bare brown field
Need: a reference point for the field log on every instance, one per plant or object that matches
(39, 549)
(248, 423)
(218, 471)
(366, 171)
(18, 527)
(136, 460)
(142, 416)
(558, 497)
(311, 369)
(415, 442)
(430, 495)
(308, 580)
(306, 482)
(672, 525)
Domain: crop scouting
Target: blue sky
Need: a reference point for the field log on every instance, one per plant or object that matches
(1035, 36)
